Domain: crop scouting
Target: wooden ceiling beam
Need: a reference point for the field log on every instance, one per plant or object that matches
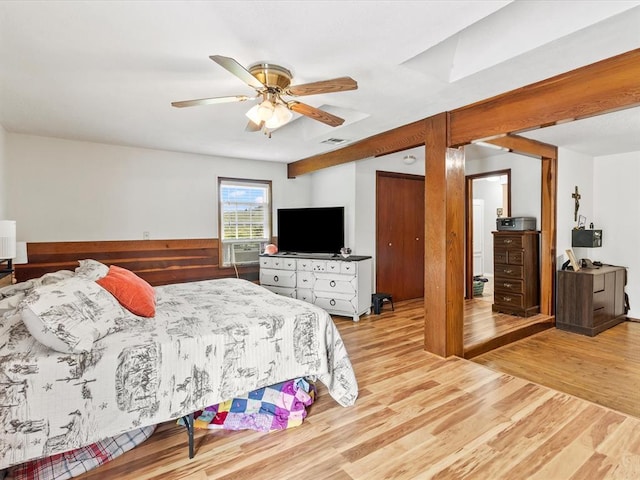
(525, 146)
(602, 87)
(595, 89)
(398, 139)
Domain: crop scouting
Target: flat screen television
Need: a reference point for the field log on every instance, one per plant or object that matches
(311, 230)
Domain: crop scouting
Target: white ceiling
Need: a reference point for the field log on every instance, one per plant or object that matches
(107, 71)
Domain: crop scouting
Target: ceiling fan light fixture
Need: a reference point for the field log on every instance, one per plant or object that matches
(253, 115)
(265, 110)
(281, 115)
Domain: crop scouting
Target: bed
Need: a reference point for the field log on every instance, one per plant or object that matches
(206, 342)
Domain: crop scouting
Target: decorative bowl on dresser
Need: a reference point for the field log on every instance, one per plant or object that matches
(516, 272)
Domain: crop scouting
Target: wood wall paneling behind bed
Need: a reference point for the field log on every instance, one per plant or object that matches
(159, 262)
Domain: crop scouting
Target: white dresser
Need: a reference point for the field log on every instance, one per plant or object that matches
(339, 286)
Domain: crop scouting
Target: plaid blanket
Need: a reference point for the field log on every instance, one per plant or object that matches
(76, 462)
(276, 407)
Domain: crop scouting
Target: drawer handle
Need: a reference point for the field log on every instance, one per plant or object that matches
(507, 299)
(507, 285)
(508, 241)
(304, 280)
(332, 283)
(275, 278)
(507, 271)
(332, 302)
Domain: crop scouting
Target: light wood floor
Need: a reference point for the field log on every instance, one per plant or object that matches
(485, 330)
(604, 369)
(418, 416)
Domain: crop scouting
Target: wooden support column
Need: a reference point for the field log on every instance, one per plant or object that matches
(549, 202)
(444, 241)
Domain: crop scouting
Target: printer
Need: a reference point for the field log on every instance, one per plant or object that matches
(516, 223)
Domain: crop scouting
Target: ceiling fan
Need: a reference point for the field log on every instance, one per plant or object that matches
(271, 83)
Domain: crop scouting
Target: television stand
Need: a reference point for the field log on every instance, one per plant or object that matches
(341, 286)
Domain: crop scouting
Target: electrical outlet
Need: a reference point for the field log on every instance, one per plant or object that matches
(145, 235)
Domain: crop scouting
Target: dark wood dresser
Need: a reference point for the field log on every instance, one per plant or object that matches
(516, 272)
(591, 299)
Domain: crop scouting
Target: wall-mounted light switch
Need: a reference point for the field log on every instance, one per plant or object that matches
(145, 235)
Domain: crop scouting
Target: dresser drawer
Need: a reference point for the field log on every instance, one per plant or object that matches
(318, 265)
(266, 262)
(509, 299)
(278, 278)
(598, 283)
(335, 283)
(343, 303)
(516, 257)
(600, 299)
(502, 285)
(348, 268)
(305, 295)
(508, 241)
(333, 266)
(305, 280)
(508, 257)
(508, 271)
(304, 265)
(500, 256)
(284, 291)
(278, 263)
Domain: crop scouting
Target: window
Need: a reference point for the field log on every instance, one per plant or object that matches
(244, 218)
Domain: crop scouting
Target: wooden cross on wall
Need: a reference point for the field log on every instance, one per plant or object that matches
(576, 196)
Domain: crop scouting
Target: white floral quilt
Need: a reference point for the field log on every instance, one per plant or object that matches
(209, 341)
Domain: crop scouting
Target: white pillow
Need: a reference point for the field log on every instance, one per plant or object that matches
(71, 314)
(91, 269)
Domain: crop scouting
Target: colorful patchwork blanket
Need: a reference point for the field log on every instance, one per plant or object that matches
(276, 407)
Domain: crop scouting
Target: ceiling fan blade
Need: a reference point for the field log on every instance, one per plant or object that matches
(238, 70)
(211, 101)
(315, 113)
(341, 84)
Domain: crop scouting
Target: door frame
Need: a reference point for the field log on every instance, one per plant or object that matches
(468, 222)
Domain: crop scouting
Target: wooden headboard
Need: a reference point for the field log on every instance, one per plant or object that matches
(159, 262)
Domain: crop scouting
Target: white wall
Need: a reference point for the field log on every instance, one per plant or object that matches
(3, 175)
(365, 222)
(63, 190)
(334, 187)
(574, 169)
(334, 183)
(617, 212)
(526, 179)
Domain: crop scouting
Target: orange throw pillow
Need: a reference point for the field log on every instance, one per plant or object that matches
(130, 290)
